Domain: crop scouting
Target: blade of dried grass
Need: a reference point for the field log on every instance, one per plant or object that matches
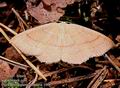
(17, 14)
(10, 30)
(14, 63)
(31, 83)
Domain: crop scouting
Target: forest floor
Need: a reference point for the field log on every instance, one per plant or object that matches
(98, 72)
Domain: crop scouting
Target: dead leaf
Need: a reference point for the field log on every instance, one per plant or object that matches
(58, 3)
(5, 70)
(48, 10)
(12, 54)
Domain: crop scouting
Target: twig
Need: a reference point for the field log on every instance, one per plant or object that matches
(31, 83)
(21, 24)
(100, 79)
(108, 62)
(10, 30)
(109, 83)
(17, 14)
(53, 72)
(27, 61)
(114, 64)
(74, 79)
(62, 70)
(19, 65)
(112, 80)
(96, 27)
(96, 77)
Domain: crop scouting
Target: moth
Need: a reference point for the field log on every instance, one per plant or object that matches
(70, 43)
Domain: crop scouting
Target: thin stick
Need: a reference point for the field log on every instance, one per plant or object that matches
(27, 61)
(21, 24)
(16, 13)
(112, 80)
(117, 68)
(95, 78)
(14, 63)
(31, 83)
(46, 74)
(69, 80)
(100, 79)
(10, 30)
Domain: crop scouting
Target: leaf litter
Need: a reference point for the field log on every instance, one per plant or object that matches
(59, 80)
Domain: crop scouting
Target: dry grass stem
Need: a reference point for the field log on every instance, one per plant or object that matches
(27, 61)
(17, 14)
(31, 83)
(14, 63)
(10, 30)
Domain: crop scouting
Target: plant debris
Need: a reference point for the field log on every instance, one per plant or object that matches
(98, 72)
(5, 71)
(48, 10)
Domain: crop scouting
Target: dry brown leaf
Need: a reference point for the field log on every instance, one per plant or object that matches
(43, 15)
(58, 3)
(61, 41)
(5, 70)
(48, 10)
(12, 54)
